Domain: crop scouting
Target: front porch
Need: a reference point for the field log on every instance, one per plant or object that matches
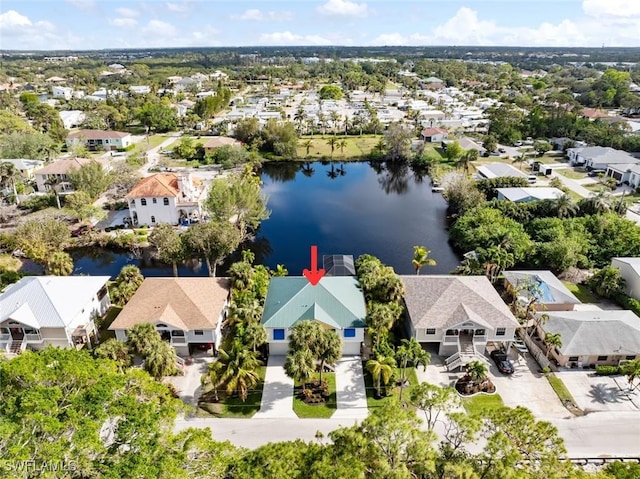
(15, 338)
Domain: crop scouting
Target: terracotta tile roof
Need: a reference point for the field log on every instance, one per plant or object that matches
(158, 185)
(594, 113)
(97, 134)
(64, 166)
(184, 303)
(434, 131)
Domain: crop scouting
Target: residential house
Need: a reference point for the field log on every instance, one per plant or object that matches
(217, 141)
(560, 143)
(592, 338)
(187, 312)
(205, 94)
(40, 311)
(434, 135)
(630, 271)
(525, 195)
(337, 302)
(499, 170)
(62, 92)
(542, 288)
(140, 89)
(26, 167)
(187, 83)
(594, 113)
(166, 198)
(59, 170)
(457, 314)
(625, 173)
(182, 107)
(599, 157)
(72, 118)
(94, 140)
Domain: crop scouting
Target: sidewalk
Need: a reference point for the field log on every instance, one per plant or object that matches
(573, 185)
(277, 394)
(350, 389)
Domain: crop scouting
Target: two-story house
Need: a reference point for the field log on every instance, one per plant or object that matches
(57, 174)
(94, 140)
(40, 311)
(166, 198)
(457, 314)
(187, 312)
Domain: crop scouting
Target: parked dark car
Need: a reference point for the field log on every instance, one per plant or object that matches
(502, 361)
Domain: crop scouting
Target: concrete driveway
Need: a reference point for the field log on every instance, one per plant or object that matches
(350, 389)
(188, 385)
(277, 394)
(600, 393)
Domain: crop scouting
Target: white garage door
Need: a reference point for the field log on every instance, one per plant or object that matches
(279, 348)
(351, 348)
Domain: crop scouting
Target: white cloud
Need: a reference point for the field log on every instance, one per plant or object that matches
(288, 38)
(13, 23)
(123, 22)
(344, 8)
(13, 19)
(181, 7)
(467, 28)
(613, 8)
(86, 5)
(127, 12)
(159, 28)
(253, 14)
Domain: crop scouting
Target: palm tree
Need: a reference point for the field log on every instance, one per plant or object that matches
(632, 371)
(342, 144)
(116, 351)
(126, 284)
(346, 124)
(160, 360)
(521, 159)
(299, 365)
(254, 336)
(169, 245)
(8, 175)
(299, 117)
(54, 182)
(332, 142)
(239, 375)
(564, 206)
(495, 260)
(477, 371)
(59, 263)
(307, 145)
(335, 118)
(552, 340)
(421, 258)
(142, 338)
(327, 349)
(381, 369)
(411, 352)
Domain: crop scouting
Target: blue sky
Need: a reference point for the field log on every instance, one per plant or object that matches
(96, 24)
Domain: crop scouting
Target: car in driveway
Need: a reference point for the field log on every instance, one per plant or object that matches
(502, 361)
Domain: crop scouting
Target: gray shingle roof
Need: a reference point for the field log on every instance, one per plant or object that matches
(444, 301)
(48, 301)
(336, 301)
(595, 333)
(339, 265)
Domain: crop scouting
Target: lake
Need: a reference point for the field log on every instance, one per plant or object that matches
(343, 208)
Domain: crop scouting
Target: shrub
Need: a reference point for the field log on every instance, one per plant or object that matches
(602, 370)
(628, 302)
(38, 202)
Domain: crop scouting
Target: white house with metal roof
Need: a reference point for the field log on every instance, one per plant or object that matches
(591, 338)
(525, 194)
(499, 170)
(549, 292)
(630, 271)
(599, 157)
(40, 311)
(336, 302)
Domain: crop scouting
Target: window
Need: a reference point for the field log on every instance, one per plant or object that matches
(161, 325)
(153, 219)
(198, 332)
(143, 201)
(602, 358)
(4, 330)
(154, 201)
(480, 332)
(430, 331)
(501, 331)
(166, 201)
(573, 358)
(350, 333)
(278, 334)
(103, 292)
(630, 358)
(452, 332)
(177, 333)
(133, 203)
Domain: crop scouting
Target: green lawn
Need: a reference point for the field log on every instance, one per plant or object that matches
(582, 292)
(357, 146)
(232, 407)
(394, 391)
(143, 146)
(563, 393)
(572, 174)
(320, 411)
(478, 405)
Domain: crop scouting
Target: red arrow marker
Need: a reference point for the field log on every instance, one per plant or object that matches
(315, 275)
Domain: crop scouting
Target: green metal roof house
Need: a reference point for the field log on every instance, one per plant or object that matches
(336, 302)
